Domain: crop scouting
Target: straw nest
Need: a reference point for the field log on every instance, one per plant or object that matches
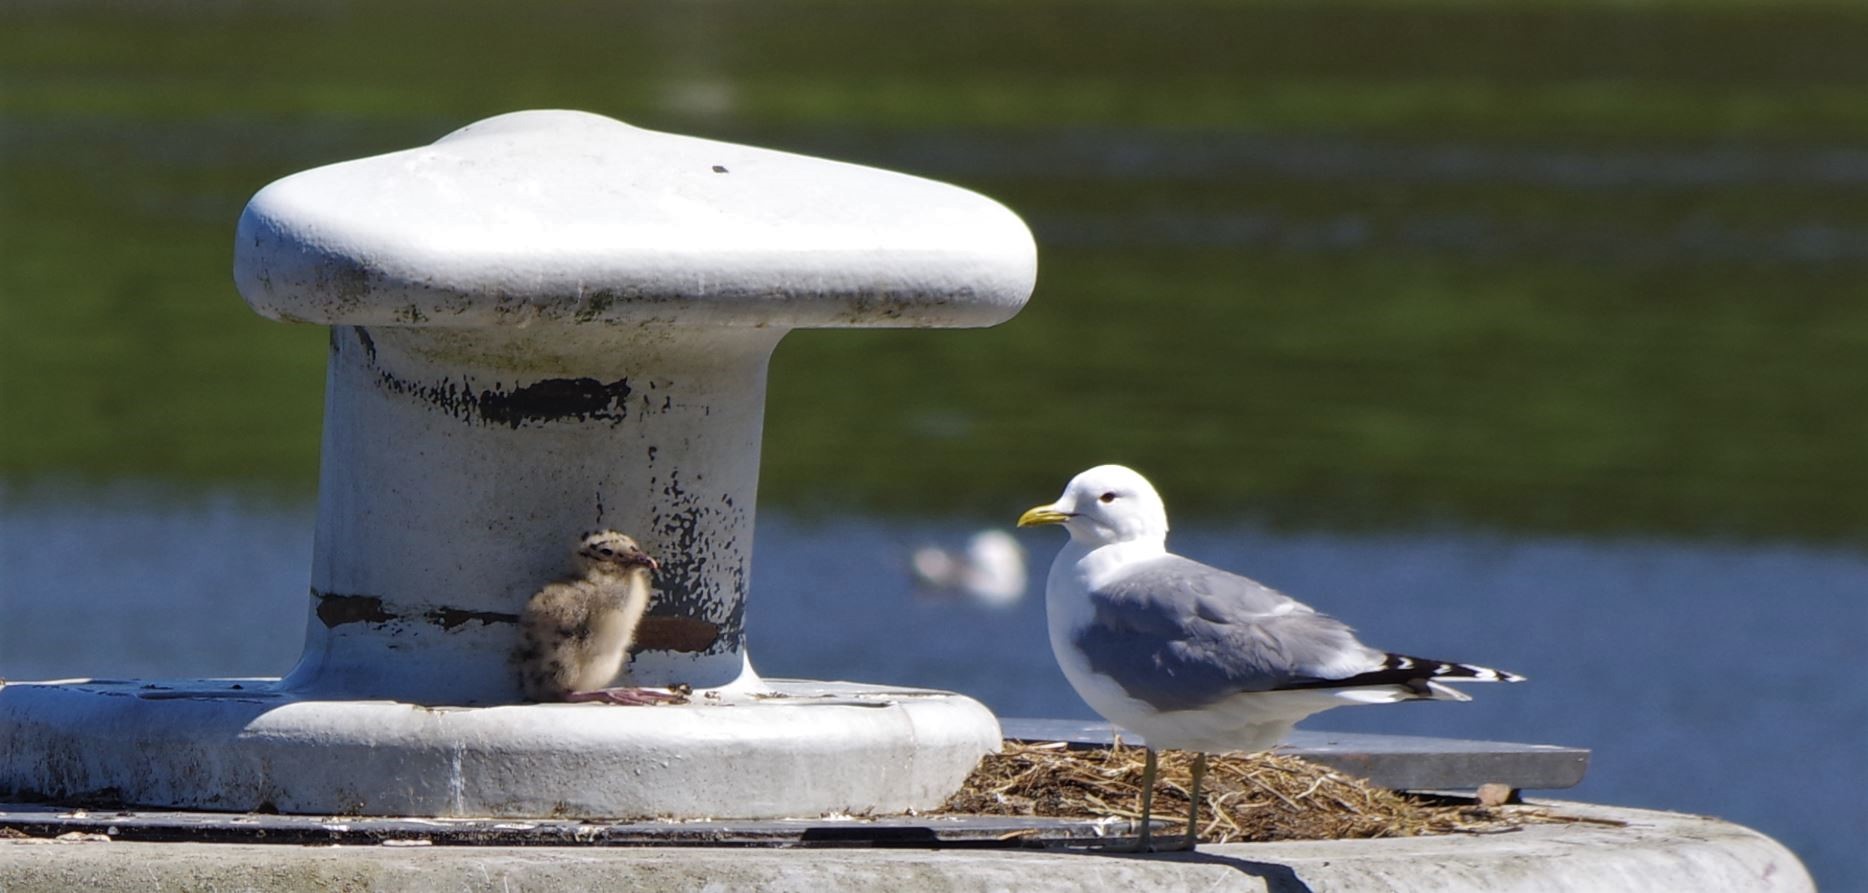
(1255, 797)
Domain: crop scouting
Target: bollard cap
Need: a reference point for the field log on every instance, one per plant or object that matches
(563, 217)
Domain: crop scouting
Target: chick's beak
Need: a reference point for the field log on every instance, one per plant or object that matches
(1044, 514)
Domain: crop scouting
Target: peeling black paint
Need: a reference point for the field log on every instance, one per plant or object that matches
(539, 403)
(454, 399)
(336, 610)
(448, 618)
(554, 399)
(369, 344)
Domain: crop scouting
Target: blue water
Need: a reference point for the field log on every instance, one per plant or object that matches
(1717, 678)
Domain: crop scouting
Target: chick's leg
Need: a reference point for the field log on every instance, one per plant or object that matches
(632, 697)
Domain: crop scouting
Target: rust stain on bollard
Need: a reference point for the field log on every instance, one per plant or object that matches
(676, 634)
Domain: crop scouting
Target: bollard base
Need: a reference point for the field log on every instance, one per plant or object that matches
(783, 748)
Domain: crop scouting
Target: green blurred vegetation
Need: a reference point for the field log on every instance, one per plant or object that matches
(1567, 266)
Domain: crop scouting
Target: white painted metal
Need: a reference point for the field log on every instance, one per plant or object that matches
(568, 217)
(797, 749)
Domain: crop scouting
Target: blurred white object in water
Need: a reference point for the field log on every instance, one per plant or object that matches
(992, 570)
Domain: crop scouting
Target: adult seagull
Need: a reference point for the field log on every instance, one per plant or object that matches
(1191, 656)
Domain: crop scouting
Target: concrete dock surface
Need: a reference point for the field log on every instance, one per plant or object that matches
(1610, 848)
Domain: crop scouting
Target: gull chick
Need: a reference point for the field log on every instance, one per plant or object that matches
(1193, 657)
(575, 633)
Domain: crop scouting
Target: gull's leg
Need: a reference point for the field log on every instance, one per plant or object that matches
(1193, 810)
(1148, 798)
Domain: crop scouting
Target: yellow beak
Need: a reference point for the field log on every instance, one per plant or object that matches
(1043, 514)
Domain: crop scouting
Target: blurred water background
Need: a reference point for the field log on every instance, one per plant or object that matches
(1535, 335)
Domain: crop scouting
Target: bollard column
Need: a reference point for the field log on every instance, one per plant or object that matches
(544, 323)
(452, 480)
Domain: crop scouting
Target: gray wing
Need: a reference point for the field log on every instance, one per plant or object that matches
(1180, 634)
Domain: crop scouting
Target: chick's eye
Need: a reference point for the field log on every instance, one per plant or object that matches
(606, 551)
(1107, 497)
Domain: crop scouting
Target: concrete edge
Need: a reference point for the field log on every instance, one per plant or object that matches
(1613, 849)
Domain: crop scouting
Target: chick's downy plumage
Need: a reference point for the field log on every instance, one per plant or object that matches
(575, 633)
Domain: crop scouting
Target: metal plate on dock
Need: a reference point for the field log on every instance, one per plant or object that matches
(1399, 762)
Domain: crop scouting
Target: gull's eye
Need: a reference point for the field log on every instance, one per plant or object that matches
(1108, 497)
(606, 551)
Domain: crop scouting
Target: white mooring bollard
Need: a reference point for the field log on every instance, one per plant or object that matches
(544, 323)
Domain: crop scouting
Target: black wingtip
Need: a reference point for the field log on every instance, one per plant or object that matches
(1439, 669)
(1415, 673)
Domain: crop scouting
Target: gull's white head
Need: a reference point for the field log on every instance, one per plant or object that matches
(1107, 504)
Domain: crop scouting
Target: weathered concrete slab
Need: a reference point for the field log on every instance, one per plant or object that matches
(1392, 761)
(1625, 850)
